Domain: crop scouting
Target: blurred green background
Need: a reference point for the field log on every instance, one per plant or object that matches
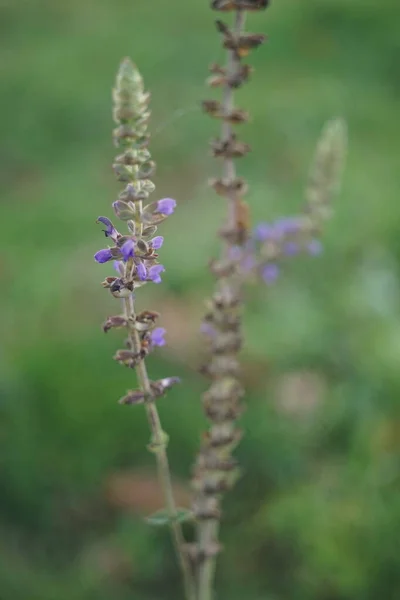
(316, 515)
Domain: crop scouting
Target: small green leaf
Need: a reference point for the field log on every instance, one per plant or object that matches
(161, 517)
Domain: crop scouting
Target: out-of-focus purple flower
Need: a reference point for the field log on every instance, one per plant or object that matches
(110, 232)
(314, 247)
(248, 263)
(291, 248)
(157, 336)
(166, 206)
(264, 232)
(277, 230)
(157, 242)
(153, 273)
(286, 226)
(270, 273)
(128, 249)
(141, 271)
(207, 329)
(103, 256)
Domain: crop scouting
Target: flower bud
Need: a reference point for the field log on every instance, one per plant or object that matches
(123, 210)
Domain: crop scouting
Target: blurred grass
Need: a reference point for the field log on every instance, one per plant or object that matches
(317, 512)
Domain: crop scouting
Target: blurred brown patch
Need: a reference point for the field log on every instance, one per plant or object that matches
(107, 560)
(140, 492)
(385, 438)
(299, 393)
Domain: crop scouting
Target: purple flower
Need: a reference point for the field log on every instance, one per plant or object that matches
(264, 232)
(286, 226)
(166, 206)
(103, 256)
(117, 264)
(314, 247)
(141, 271)
(157, 336)
(290, 248)
(110, 231)
(154, 273)
(157, 242)
(207, 329)
(270, 272)
(128, 249)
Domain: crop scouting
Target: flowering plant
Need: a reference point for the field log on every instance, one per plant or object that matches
(257, 252)
(135, 256)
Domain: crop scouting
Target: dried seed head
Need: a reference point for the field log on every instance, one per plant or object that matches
(228, 187)
(145, 320)
(133, 397)
(115, 322)
(223, 267)
(222, 366)
(162, 385)
(231, 148)
(242, 44)
(128, 358)
(206, 508)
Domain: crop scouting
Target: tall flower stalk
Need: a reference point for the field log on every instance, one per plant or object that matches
(136, 261)
(244, 253)
(216, 470)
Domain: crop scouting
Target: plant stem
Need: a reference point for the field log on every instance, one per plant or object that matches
(208, 529)
(159, 440)
(227, 101)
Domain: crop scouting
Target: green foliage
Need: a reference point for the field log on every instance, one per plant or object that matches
(317, 513)
(161, 517)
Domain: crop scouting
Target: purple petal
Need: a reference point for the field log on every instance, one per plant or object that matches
(314, 247)
(286, 226)
(103, 256)
(117, 264)
(157, 336)
(110, 231)
(128, 250)
(207, 329)
(157, 242)
(270, 273)
(166, 206)
(141, 271)
(154, 273)
(263, 232)
(291, 248)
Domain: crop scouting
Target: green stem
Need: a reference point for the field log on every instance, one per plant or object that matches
(160, 440)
